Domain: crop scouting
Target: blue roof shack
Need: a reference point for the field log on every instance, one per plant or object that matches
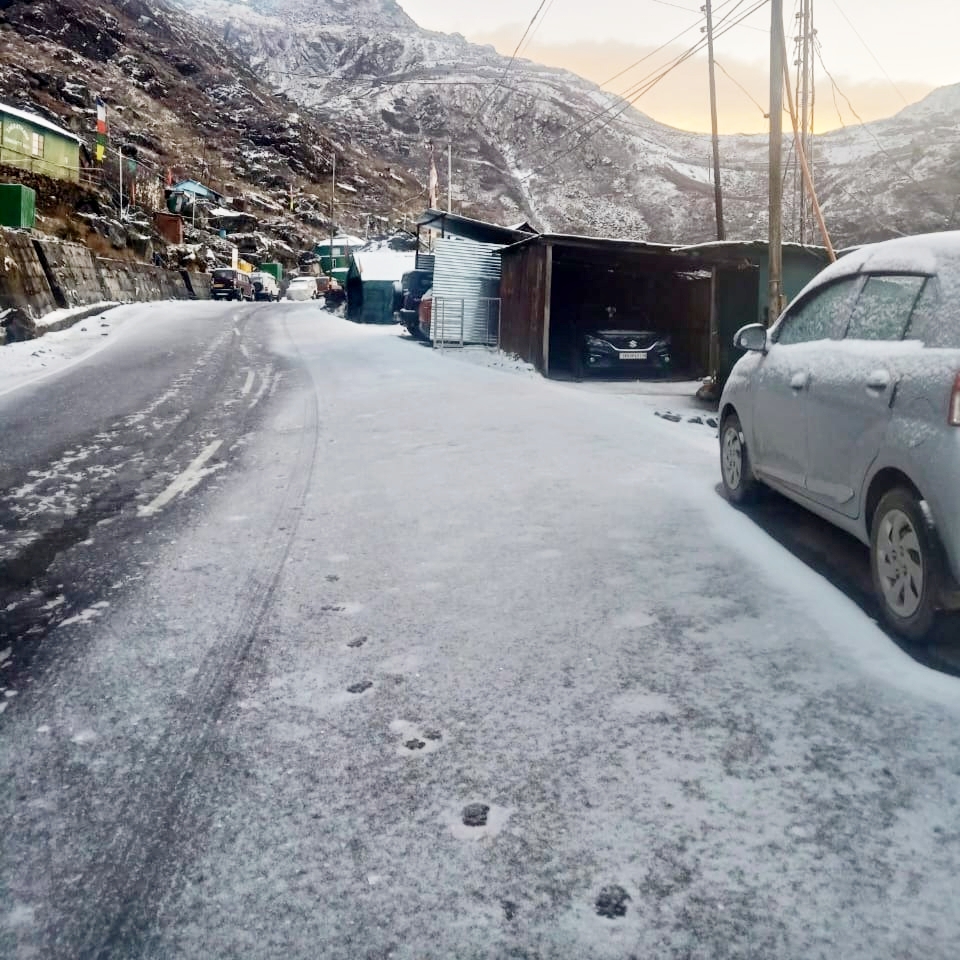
(198, 189)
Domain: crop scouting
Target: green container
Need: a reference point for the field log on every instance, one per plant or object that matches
(18, 206)
(274, 268)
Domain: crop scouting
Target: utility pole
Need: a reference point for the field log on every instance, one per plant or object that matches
(775, 253)
(120, 159)
(450, 177)
(804, 103)
(717, 190)
(333, 200)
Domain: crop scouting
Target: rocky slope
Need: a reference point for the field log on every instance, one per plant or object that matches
(183, 102)
(545, 144)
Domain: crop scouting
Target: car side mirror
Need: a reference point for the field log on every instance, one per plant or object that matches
(752, 337)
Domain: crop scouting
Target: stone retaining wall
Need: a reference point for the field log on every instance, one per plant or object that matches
(24, 288)
(70, 271)
(40, 274)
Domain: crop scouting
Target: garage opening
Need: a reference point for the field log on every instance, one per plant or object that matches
(618, 314)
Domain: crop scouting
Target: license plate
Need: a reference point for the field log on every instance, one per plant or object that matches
(633, 354)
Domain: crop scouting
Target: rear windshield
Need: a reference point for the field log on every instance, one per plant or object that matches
(223, 274)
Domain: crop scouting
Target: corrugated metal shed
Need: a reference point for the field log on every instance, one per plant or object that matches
(466, 278)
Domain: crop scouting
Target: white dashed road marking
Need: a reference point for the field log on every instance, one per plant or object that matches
(185, 482)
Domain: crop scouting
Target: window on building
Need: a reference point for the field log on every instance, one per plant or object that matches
(37, 145)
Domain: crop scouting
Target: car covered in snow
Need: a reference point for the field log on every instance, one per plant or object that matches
(227, 283)
(265, 286)
(850, 406)
(637, 353)
(304, 288)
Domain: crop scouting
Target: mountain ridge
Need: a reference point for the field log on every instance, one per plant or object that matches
(527, 148)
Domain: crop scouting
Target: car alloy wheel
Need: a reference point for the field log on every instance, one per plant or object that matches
(907, 564)
(732, 457)
(900, 564)
(735, 469)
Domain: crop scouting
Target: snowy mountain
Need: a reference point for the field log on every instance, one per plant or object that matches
(180, 100)
(544, 144)
(258, 94)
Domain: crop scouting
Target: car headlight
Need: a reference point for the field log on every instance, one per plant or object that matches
(596, 342)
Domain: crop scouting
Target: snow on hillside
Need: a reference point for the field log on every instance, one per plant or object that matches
(547, 145)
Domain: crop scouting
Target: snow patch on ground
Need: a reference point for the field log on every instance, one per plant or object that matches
(30, 361)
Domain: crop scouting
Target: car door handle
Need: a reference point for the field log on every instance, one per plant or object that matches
(800, 381)
(878, 380)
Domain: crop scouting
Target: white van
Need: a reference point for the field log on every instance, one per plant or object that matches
(265, 286)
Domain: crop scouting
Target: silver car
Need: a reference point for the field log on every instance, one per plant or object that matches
(850, 405)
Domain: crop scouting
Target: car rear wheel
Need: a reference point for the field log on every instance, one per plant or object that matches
(735, 467)
(906, 562)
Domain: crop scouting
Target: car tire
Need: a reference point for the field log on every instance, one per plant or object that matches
(736, 470)
(907, 565)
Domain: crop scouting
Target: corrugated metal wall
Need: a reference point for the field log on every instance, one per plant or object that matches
(425, 261)
(522, 287)
(466, 276)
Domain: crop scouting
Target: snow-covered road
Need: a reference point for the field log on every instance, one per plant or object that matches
(447, 662)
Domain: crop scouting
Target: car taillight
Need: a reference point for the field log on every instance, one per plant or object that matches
(954, 417)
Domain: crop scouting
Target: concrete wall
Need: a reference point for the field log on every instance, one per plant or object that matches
(38, 275)
(24, 287)
(71, 272)
(198, 284)
(135, 282)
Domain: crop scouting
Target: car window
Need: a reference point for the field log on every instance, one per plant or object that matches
(935, 319)
(821, 316)
(883, 307)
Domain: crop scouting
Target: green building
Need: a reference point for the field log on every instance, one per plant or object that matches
(340, 264)
(32, 143)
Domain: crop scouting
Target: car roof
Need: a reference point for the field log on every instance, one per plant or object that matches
(925, 253)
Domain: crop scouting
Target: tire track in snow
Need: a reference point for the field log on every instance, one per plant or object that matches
(124, 886)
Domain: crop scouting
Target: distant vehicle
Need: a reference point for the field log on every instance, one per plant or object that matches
(265, 286)
(229, 284)
(303, 288)
(426, 314)
(414, 284)
(639, 353)
(332, 290)
(850, 405)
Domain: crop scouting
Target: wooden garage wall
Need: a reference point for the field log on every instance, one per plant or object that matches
(522, 293)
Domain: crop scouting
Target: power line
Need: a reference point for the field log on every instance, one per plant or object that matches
(641, 88)
(720, 27)
(893, 160)
(511, 61)
(678, 6)
(866, 47)
(546, 13)
(737, 83)
(663, 46)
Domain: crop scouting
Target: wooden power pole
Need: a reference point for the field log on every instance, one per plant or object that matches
(777, 49)
(717, 191)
